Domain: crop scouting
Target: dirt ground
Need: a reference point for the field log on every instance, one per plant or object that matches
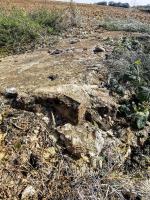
(31, 70)
(60, 138)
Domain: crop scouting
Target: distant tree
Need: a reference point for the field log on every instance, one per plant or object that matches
(103, 3)
(122, 5)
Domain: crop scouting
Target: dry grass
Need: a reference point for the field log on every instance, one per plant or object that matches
(23, 30)
(30, 158)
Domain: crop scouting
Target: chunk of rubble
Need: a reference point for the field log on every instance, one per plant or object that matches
(70, 101)
(98, 49)
(11, 92)
(29, 192)
(81, 140)
(76, 97)
(56, 52)
(66, 103)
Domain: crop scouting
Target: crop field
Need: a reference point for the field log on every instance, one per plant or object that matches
(94, 11)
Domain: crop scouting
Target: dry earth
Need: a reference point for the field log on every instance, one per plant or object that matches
(52, 134)
(90, 11)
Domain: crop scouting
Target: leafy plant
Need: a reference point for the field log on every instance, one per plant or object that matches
(143, 94)
(134, 80)
(46, 19)
(139, 119)
(114, 86)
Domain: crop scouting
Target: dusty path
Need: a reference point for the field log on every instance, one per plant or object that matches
(40, 68)
(74, 64)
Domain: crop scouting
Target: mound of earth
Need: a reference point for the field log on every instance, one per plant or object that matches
(52, 143)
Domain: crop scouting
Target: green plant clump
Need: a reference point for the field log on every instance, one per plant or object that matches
(21, 30)
(134, 80)
(125, 25)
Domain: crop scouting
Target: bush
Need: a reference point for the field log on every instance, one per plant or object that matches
(125, 25)
(48, 20)
(20, 29)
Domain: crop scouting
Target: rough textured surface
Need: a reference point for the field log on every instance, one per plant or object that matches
(81, 140)
(62, 138)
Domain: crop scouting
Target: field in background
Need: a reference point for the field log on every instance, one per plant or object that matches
(93, 11)
(82, 15)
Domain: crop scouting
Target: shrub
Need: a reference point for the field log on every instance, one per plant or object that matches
(136, 108)
(20, 30)
(48, 20)
(125, 25)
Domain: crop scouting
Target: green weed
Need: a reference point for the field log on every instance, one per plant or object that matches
(21, 30)
(137, 107)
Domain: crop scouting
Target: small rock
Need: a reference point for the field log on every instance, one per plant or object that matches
(98, 50)
(110, 133)
(96, 162)
(36, 131)
(52, 77)
(11, 92)
(79, 141)
(46, 120)
(74, 41)
(29, 192)
(49, 153)
(56, 51)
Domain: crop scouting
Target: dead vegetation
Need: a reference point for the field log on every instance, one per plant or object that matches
(37, 163)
